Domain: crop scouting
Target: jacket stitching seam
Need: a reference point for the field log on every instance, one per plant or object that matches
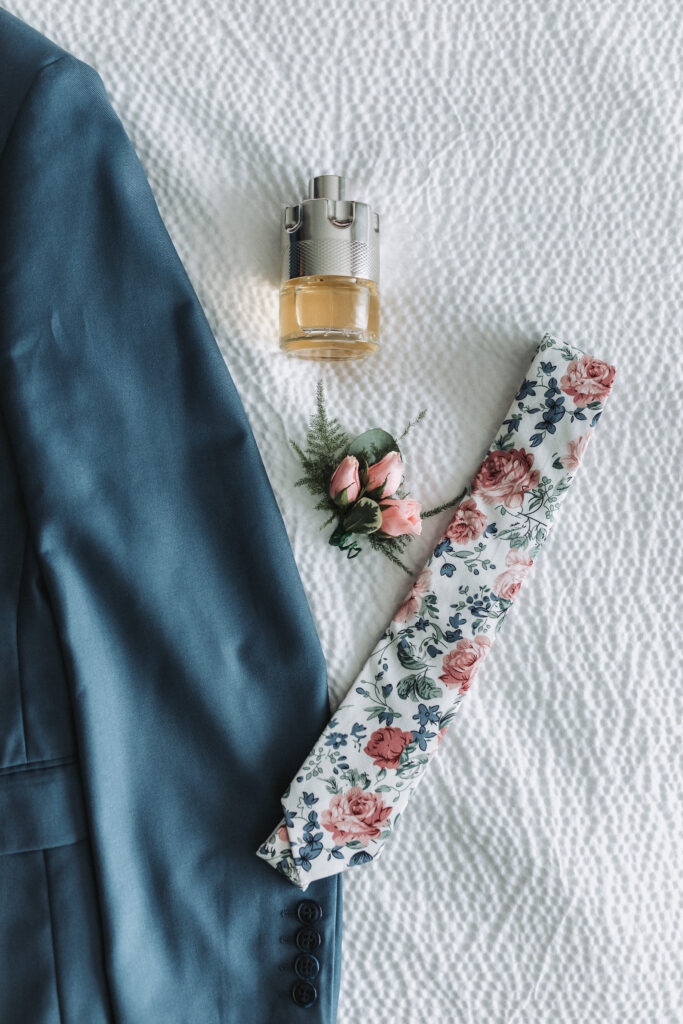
(26, 95)
(52, 934)
(27, 766)
(20, 679)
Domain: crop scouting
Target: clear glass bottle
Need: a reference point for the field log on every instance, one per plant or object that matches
(329, 293)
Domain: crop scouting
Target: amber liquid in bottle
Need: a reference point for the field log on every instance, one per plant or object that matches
(329, 317)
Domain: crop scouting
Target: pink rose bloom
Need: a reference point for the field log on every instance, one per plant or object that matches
(572, 459)
(283, 834)
(588, 380)
(356, 814)
(345, 482)
(412, 603)
(462, 663)
(467, 524)
(505, 476)
(385, 746)
(400, 515)
(507, 584)
(388, 471)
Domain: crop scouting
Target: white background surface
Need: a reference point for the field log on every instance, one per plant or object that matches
(526, 162)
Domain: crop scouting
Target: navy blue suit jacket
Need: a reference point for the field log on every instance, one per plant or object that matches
(161, 678)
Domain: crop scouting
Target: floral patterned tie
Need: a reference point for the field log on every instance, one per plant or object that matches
(349, 793)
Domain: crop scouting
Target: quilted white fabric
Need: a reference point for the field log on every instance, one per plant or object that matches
(526, 162)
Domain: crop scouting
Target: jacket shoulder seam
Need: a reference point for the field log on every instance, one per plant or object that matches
(34, 81)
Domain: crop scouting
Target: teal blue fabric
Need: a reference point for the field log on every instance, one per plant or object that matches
(161, 677)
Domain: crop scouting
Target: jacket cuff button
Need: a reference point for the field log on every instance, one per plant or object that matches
(309, 911)
(306, 966)
(307, 939)
(303, 993)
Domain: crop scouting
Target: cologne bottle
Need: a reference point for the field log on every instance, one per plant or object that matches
(329, 293)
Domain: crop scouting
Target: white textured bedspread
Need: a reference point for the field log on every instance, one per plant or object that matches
(526, 160)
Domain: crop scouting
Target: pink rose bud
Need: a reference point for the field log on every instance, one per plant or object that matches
(401, 515)
(385, 476)
(345, 482)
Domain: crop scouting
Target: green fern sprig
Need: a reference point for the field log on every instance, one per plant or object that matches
(446, 504)
(418, 419)
(326, 442)
(391, 548)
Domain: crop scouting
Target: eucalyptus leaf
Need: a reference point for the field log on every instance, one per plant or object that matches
(373, 445)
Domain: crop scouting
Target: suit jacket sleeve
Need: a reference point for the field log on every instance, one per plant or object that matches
(195, 672)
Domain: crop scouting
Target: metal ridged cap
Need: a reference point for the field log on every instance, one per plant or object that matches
(328, 234)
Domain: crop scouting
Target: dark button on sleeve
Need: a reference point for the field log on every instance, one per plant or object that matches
(308, 939)
(306, 966)
(303, 993)
(308, 911)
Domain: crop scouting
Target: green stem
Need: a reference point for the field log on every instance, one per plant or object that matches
(446, 504)
(422, 413)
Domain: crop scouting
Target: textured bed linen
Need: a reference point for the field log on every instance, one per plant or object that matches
(526, 162)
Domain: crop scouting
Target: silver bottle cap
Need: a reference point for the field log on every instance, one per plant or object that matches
(328, 234)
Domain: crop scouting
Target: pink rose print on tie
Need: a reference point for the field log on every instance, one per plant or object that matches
(462, 663)
(507, 584)
(506, 476)
(385, 746)
(588, 380)
(467, 524)
(355, 814)
(412, 603)
(572, 459)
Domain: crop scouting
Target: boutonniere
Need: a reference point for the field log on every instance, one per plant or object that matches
(360, 482)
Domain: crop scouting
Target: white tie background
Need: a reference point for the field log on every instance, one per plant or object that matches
(526, 162)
